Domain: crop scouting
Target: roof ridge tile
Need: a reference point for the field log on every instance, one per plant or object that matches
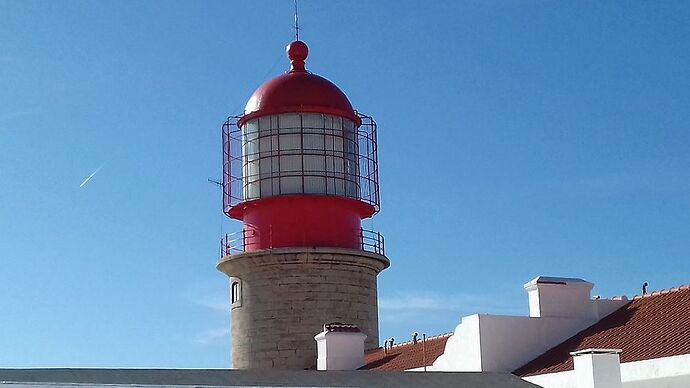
(410, 342)
(663, 291)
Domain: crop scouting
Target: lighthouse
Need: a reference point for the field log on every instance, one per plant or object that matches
(300, 171)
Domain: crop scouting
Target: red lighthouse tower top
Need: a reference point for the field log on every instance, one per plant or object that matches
(298, 91)
(300, 166)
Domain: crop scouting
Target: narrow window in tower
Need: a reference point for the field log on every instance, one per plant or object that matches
(235, 294)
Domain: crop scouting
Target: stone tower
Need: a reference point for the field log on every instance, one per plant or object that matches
(300, 171)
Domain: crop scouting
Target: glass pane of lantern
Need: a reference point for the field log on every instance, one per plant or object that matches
(348, 125)
(275, 167)
(350, 168)
(290, 142)
(314, 163)
(338, 165)
(290, 163)
(350, 147)
(313, 142)
(291, 185)
(274, 144)
(337, 122)
(333, 122)
(350, 189)
(252, 190)
(339, 187)
(251, 127)
(265, 167)
(250, 150)
(266, 188)
(312, 122)
(265, 146)
(338, 143)
(314, 185)
(290, 122)
(329, 164)
(249, 138)
(264, 123)
(251, 170)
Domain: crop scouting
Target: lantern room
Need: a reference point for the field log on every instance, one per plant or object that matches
(300, 165)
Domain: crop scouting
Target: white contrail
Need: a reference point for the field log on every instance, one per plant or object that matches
(89, 177)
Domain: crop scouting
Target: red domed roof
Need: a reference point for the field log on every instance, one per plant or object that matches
(298, 91)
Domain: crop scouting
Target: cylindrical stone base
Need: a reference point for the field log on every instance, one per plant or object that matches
(282, 297)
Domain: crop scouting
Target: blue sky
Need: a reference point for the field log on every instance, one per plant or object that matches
(517, 138)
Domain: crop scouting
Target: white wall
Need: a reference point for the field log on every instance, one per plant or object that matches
(554, 380)
(498, 343)
(597, 368)
(559, 300)
(340, 350)
(666, 372)
(510, 342)
(466, 337)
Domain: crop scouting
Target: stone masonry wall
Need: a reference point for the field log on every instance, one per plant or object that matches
(287, 295)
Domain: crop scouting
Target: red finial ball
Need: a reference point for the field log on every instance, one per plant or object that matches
(297, 51)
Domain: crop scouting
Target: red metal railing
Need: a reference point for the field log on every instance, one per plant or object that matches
(234, 243)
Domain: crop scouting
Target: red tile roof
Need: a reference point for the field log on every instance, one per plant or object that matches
(651, 326)
(406, 355)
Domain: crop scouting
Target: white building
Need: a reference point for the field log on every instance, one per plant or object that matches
(569, 340)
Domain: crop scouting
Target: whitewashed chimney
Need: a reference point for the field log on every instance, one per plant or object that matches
(559, 297)
(597, 368)
(340, 346)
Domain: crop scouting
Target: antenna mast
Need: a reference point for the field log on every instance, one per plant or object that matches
(296, 22)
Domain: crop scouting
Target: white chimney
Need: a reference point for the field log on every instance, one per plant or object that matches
(559, 297)
(340, 347)
(597, 368)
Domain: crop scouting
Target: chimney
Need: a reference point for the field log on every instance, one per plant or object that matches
(559, 297)
(597, 368)
(340, 346)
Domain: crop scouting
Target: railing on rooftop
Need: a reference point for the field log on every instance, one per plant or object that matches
(237, 242)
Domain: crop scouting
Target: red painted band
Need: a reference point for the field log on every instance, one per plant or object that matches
(303, 220)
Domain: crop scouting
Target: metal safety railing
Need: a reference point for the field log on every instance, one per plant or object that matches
(351, 167)
(233, 243)
(237, 242)
(372, 241)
